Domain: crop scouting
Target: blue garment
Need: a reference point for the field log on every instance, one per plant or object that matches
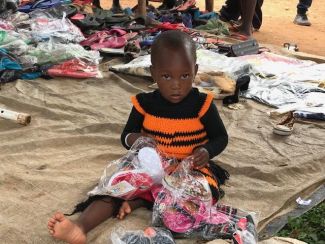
(303, 6)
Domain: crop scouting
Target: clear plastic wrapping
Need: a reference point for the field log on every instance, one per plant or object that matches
(75, 68)
(150, 235)
(13, 42)
(135, 173)
(43, 28)
(184, 205)
(53, 52)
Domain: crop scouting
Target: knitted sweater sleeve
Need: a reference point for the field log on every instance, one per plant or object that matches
(133, 125)
(216, 131)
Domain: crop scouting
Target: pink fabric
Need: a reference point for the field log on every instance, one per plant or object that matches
(141, 181)
(152, 194)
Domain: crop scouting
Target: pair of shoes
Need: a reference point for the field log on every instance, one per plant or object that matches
(302, 19)
(285, 127)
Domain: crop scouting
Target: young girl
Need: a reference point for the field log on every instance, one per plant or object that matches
(182, 120)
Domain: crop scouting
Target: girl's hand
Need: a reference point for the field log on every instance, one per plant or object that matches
(201, 157)
(134, 136)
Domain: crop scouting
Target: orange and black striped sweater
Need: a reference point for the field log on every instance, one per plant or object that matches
(178, 128)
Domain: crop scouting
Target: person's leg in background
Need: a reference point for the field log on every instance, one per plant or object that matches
(247, 14)
(209, 4)
(142, 8)
(230, 10)
(301, 17)
(116, 7)
(258, 15)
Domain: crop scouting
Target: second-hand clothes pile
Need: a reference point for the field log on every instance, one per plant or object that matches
(63, 38)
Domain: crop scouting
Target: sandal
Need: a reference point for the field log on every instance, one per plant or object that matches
(75, 68)
(102, 15)
(85, 21)
(94, 38)
(41, 4)
(136, 24)
(285, 127)
(111, 20)
(186, 6)
(240, 37)
(111, 42)
(100, 37)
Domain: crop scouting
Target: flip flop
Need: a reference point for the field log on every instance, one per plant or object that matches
(113, 51)
(57, 11)
(101, 14)
(186, 6)
(130, 36)
(136, 24)
(110, 42)
(234, 27)
(240, 37)
(94, 38)
(99, 36)
(207, 16)
(116, 19)
(148, 40)
(85, 21)
(41, 4)
(169, 26)
(73, 68)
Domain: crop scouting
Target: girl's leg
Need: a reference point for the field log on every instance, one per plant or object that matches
(98, 211)
(128, 206)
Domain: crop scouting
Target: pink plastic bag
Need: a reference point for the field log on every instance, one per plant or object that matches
(135, 174)
(184, 206)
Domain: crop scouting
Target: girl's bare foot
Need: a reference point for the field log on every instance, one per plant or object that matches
(63, 229)
(125, 209)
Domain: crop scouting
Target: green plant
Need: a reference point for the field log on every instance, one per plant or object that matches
(309, 227)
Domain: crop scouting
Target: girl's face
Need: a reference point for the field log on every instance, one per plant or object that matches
(174, 73)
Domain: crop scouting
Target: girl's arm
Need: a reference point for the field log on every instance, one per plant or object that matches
(132, 129)
(217, 134)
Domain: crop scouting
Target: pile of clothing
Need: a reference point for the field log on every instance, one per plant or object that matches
(54, 38)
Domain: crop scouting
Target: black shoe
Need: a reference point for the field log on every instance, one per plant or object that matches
(302, 19)
(242, 84)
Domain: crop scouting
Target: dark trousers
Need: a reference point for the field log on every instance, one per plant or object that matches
(231, 11)
(303, 6)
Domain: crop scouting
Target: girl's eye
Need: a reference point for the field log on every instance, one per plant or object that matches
(186, 76)
(166, 77)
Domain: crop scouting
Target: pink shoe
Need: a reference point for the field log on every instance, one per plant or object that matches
(110, 42)
(95, 38)
(102, 35)
(74, 68)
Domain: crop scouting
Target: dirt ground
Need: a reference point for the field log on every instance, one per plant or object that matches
(278, 26)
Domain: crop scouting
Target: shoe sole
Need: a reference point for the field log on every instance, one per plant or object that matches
(281, 132)
(302, 24)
